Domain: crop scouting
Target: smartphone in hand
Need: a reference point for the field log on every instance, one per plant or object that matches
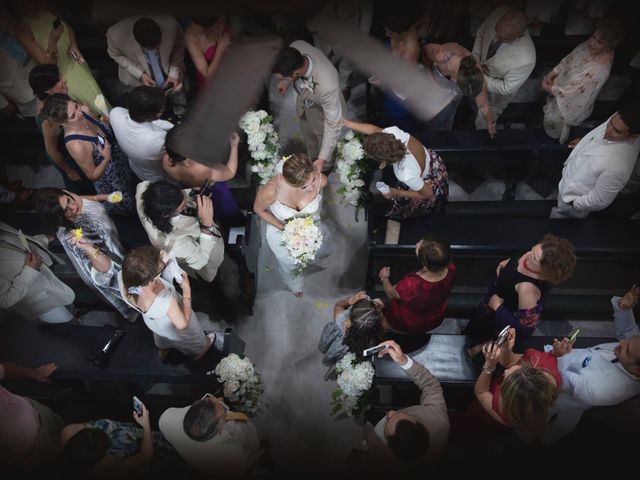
(373, 350)
(574, 335)
(137, 406)
(503, 335)
(101, 140)
(168, 88)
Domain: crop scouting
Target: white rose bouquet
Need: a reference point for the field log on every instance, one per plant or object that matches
(262, 139)
(303, 239)
(241, 384)
(351, 166)
(355, 376)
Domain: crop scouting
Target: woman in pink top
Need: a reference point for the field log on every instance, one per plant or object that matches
(207, 38)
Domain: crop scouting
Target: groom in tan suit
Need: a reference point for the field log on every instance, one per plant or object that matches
(507, 56)
(319, 103)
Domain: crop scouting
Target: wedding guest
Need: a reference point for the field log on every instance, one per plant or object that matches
(422, 184)
(294, 192)
(107, 447)
(15, 94)
(29, 430)
(211, 438)
(319, 102)
(414, 436)
(419, 299)
(207, 38)
(146, 283)
(518, 294)
(140, 131)
(600, 165)
(574, 84)
(46, 80)
(192, 174)
(188, 232)
(28, 287)
(456, 69)
(603, 375)
(50, 40)
(95, 252)
(522, 395)
(358, 323)
(94, 148)
(507, 56)
(150, 51)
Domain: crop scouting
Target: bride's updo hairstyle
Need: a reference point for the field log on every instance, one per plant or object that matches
(296, 169)
(384, 148)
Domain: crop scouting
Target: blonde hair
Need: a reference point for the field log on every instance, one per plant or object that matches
(296, 169)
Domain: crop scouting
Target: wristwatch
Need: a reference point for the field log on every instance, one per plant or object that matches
(212, 229)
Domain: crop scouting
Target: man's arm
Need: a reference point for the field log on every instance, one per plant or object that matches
(428, 384)
(625, 322)
(13, 290)
(603, 193)
(13, 370)
(332, 108)
(120, 58)
(511, 82)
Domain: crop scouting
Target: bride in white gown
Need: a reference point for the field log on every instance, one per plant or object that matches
(295, 192)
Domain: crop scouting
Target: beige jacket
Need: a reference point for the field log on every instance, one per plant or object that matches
(128, 54)
(509, 68)
(24, 290)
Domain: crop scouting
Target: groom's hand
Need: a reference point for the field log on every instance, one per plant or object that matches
(319, 164)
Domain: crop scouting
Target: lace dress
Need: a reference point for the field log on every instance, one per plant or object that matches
(275, 237)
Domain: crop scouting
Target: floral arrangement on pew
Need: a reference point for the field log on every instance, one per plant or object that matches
(262, 139)
(355, 377)
(351, 166)
(302, 239)
(241, 384)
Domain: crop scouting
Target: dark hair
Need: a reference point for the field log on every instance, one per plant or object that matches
(558, 259)
(147, 33)
(296, 169)
(434, 253)
(470, 78)
(86, 447)
(201, 421)
(159, 203)
(409, 442)
(171, 141)
(630, 114)
(612, 29)
(289, 60)
(140, 266)
(145, 103)
(55, 108)
(42, 78)
(47, 203)
(366, 326)
(206, 22)
(384, 148)
(402, 18)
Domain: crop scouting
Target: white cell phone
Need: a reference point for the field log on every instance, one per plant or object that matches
(382, 187)
(100, 139)
(503, 335)
(137, 406)
(373, 350)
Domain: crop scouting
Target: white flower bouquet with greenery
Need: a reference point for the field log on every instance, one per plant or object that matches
(351, 166)
(262, 139)
(241, 384)
(355, 377)
(302, 239)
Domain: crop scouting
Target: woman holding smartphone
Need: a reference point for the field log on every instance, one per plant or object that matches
(93, 146)
(49, 40)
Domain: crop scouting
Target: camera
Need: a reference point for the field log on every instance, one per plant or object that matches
(191, 209)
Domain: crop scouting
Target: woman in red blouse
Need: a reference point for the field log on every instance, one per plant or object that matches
(419, 299)
(522, 395)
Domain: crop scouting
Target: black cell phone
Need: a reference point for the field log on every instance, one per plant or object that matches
(56, 23)
(168, 88)
(205, 190)
(137, 406)
(503, 335)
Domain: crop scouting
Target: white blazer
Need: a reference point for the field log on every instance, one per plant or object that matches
(128, 54)
(508, 69)
(24, 290)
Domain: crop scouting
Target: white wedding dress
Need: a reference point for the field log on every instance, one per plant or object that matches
(275, 237)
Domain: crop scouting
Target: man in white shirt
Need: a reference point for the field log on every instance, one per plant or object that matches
(600, 165)
(605, 375)
(507, 56)
(141, 133)
(212, 439)
(319, 101)
(414, 435)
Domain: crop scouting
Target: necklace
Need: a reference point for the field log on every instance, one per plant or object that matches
(526, 267)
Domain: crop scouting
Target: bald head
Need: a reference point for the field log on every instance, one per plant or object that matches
(511, 25)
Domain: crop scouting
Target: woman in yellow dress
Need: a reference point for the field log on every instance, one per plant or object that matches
(47, 39)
